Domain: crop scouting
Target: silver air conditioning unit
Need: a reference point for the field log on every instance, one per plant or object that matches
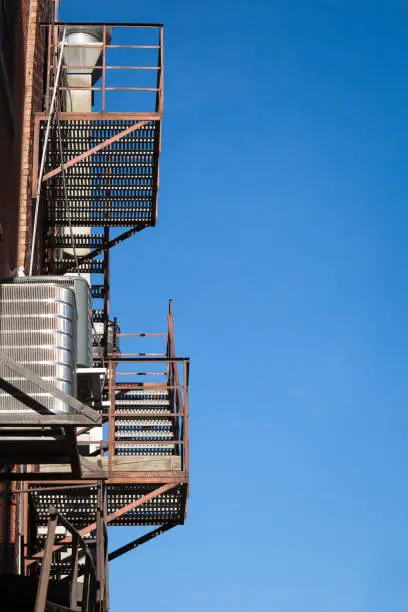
(82, 298)
(39, 331)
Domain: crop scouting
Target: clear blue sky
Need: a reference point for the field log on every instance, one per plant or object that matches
(283, 219)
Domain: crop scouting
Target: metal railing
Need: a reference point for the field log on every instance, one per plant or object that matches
(95, 593)
(174, 388)
(110, 75)
(159, 374)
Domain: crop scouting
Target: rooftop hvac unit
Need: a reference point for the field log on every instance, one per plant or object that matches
(80, 288)
(38, 329)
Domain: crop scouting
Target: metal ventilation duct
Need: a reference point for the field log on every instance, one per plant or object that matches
(83, 47)
(78, 51)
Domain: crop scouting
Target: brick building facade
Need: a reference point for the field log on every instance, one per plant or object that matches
(21, 91)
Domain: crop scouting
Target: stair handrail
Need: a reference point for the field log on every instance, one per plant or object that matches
(77, 541)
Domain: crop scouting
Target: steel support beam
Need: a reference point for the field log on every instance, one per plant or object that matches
(72, 402)
(139, 541)
(46, 565)
(104, 247)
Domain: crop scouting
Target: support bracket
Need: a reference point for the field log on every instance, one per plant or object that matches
(72, 402)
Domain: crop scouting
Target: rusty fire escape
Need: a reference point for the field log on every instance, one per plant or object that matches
(95, 183)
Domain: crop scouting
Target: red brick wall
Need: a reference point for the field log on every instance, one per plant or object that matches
(10, 150)
(16, 152)
(10, 156)
(32, 104)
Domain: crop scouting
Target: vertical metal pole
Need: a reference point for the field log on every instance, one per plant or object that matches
(24, 501)
(104, 69)
(99, 557)
(73, 598)
(106, 278)
(92, 592)
(185, 420)
(57, 3)
(106, 292)
(48, 76)
(41, 598)
(44, 154)
(159, 109)
(106, 600)
(112, 408)
(36, 154)
(4, 516)
(160, 75)
(85, 592)
(105, 550)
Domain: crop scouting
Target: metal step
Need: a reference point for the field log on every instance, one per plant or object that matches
(151, 435)
(81, 241)
(93, 266)
(97, 340)
(143, 422)
(98, 292)
(104, 212)
(98, 315)
(136, 403)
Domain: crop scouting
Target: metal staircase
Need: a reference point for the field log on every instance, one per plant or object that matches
(143, 417)
(96, 170)
(145, 456)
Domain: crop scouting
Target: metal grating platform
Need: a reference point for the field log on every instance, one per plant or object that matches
(168, 507)
(115, 186)
(79, 505)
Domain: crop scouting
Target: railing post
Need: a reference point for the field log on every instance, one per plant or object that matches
(86, 587)
(104, 69)
(106, 291)
(185, 419)
(99, 557)
(160, 75)
(74, 584)
(105, 558)
(48, 36)
(41, 597)
(112, 409)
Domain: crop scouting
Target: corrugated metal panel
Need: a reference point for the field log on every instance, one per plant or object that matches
(84, 306)
(38, 330)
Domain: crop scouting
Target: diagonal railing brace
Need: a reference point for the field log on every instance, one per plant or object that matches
(107, 245)
(95, 149)
(111, 517)
(139, 541)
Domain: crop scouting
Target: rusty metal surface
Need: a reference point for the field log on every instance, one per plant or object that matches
(143, 417)
(112, 32)
(94, 595)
